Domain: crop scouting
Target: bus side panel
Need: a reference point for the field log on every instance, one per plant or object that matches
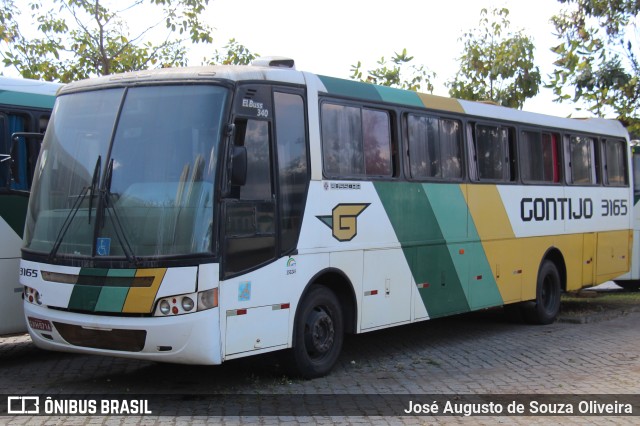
(417, 229)
(503, 252)
(11, 298)
(10, 289)
(613, 254)
(449, 266)
(386, 289)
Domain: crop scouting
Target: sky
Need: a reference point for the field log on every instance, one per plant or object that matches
(329, 36)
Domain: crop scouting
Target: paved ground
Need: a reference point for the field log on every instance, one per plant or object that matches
(471, 354)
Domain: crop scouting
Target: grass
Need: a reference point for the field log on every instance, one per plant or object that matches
(586, 303)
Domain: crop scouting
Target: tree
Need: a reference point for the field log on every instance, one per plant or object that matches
(496, 64)
(235, 54)
(597, 61)
(398, 73)
(82, 38)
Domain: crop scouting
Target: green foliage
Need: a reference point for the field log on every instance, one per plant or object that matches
(598, 58)
(398, 73)
(81, 38)
(235, 54)
(496, 65)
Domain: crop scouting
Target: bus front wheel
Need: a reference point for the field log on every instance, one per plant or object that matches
(318, 334)
(545, 308)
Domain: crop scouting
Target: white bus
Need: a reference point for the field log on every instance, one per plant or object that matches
(631, 280)
(25, 107)
(199, 215)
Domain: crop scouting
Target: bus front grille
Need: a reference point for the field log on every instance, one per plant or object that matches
(115, 339)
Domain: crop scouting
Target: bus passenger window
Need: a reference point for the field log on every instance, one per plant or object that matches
(583, 160)
(342, 140)
(492, 153)
(434, 147)
(377, 143)
(615, 163)
(356, 142)
(539, 157)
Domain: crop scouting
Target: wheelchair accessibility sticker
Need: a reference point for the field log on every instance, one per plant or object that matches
(103, 246)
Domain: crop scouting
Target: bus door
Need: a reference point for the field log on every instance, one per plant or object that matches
(262, 214)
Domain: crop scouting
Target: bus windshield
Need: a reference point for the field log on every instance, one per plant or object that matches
(128, 173)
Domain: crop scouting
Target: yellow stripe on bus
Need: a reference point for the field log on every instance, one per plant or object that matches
(140, 299)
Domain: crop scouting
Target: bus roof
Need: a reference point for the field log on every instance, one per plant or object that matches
(351, 89)
(28, 93)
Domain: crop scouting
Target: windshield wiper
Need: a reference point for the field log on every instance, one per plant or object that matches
(115, 220)
(94, 182)
(74, 209)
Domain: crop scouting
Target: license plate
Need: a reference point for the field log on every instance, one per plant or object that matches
(39, 324)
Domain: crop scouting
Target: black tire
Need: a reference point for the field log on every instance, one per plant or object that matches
(547, 304)
(318, 334)
(630, 285)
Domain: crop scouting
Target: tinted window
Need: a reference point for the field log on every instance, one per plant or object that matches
(492, 153)
(434, 147)
(583, 160)
(377, 143)
(636, 170)
(539, 157)
(254, 136)
(250, 212)
(356, 141)
(292, 165)
(616, 164)
(342, 140)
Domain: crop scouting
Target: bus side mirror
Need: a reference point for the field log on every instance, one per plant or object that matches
(239, 166)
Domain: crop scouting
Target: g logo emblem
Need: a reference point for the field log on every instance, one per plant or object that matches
(343, 220)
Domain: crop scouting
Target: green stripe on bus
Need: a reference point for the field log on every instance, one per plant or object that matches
(112, 299)
(417, 229)
(354, 89)
(450, 209)
(13, 209)
(107, 277)
(483, 290)
(84, 298)
(94, 272)
(26, 99)
(397, 96)
(130, 273)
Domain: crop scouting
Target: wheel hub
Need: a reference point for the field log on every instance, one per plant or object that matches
(320, 333)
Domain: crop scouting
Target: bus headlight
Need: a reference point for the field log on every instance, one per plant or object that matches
(185, 303)
(208, 299)
(165, 307)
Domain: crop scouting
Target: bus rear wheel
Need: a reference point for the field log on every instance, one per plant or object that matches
(318, 334)
(545, 308)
